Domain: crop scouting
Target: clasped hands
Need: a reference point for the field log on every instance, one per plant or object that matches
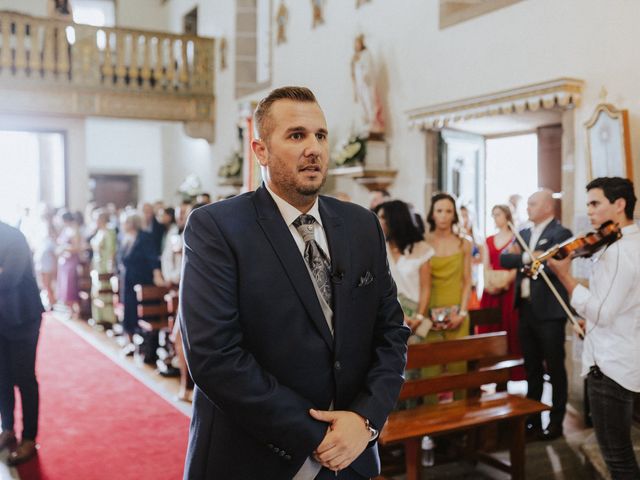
(346, 438)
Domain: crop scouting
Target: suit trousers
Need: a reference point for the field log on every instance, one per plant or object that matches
(612, 413)
(348, 474)
(18, 368)
(542, 341)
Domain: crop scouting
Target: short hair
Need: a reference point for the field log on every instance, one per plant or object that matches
(401, 225)
(262, 114)
(504, 209)
(614, 188)
(436, 198)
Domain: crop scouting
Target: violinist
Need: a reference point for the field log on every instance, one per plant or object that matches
(541, 327)
(611, 307)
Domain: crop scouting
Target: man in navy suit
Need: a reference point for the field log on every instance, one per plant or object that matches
(292, 329)
(20, 317)
(542, 320)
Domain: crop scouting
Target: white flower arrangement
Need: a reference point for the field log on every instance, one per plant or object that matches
(353, 151)
(190, 186)
(233, 166)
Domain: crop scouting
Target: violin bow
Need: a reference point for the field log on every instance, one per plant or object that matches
(576, 326)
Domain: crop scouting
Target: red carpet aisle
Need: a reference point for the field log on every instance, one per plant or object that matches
(97, 422)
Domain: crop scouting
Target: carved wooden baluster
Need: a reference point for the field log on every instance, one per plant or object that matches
(63, 51)
(172, 63)
(145, 73)
(20, 62)
(158, 71)
(121, 70)
(35, 60)
(49, 60)
(184, 67)
(133, 62)
(107, 66)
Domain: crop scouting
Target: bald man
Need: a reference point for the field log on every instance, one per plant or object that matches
(542, 320)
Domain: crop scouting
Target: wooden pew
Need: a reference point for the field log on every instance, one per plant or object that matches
(484, 316)
(486, 357)
(153, 316)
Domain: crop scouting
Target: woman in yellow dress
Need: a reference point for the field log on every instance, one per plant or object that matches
(450, 279)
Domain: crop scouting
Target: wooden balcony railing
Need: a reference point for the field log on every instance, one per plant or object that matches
(55, 67)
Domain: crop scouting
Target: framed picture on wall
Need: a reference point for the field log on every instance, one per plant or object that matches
(609, 143)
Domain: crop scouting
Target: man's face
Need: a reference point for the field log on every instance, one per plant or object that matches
(296, 154)
(537, 207)
(599, 208)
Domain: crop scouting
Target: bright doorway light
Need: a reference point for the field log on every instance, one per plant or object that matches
(511, 168)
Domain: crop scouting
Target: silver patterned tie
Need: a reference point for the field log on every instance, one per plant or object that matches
(316, 259)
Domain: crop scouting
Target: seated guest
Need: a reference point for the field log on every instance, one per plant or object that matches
(138, 263)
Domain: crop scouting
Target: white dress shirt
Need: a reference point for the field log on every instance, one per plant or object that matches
(536, 233)
(310, 468)
(611, 307)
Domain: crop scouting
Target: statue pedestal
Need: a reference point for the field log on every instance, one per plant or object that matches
(377, 157)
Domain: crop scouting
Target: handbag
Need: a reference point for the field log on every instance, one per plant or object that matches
(496, 281)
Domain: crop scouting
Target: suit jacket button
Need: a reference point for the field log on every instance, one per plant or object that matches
(337, 365)
(282, 453)
(276, 449)
(287, 457)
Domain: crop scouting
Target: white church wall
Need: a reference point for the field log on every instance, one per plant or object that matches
(130, 147)
(143, 14)
(420, 65)
(215, 19)
(30, 7)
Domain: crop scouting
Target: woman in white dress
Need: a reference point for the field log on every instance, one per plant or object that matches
(409, 256)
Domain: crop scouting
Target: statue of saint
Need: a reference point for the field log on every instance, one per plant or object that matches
(371, 121)
(282, 17)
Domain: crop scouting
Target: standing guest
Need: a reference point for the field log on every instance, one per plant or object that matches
(45, 259)
(376, 197)
(450, 277)
(499, 285)
(69, 250)
(542, 319)
(151, 225)
(467, 228)
(409, 256)
(20, 317)
(611, 307)
(103, 245)
(171, 271)
(291, 322)
(204, 198)
(138, 263)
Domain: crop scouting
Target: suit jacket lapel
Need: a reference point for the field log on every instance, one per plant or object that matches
(285, 247)
(340, 265)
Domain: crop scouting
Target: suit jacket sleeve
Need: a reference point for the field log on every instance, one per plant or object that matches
(14, 260)
(227, 373)
(389, 349)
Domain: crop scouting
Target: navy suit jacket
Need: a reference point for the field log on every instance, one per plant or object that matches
(544, 303)
(258, 345)
(20, 304)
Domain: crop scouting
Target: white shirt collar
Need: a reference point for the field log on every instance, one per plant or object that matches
(629, 229)
(542, 225)
(289, 212)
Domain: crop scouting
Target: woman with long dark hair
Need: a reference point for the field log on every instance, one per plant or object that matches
(409, 256)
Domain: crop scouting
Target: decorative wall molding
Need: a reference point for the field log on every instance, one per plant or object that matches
(562, 93)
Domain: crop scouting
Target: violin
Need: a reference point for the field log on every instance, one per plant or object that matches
(584, 247)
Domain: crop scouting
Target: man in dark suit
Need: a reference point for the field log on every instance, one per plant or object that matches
(292, 329)
(20, 317)
(542, 319)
